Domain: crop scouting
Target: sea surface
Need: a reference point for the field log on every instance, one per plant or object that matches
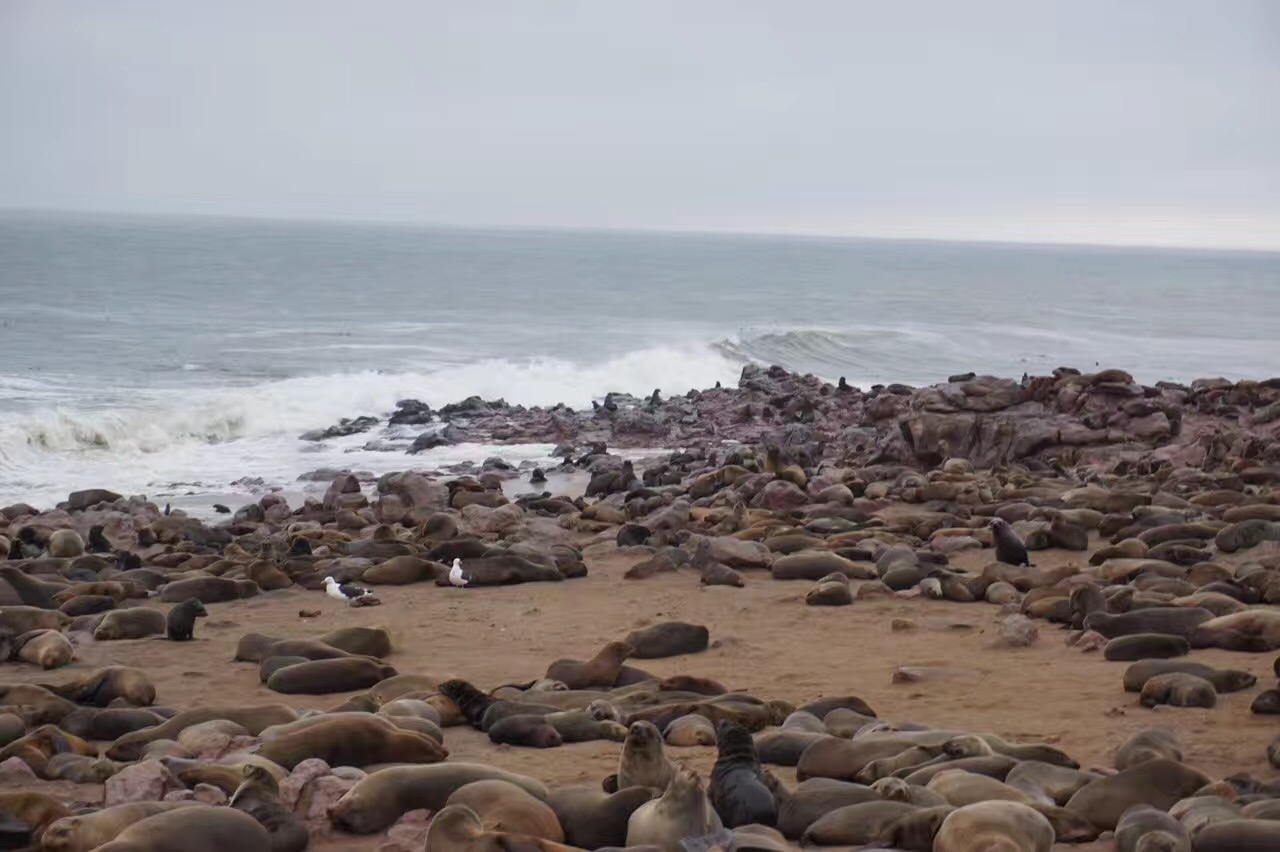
(174, 357)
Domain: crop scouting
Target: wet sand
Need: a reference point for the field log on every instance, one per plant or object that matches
(765, 641)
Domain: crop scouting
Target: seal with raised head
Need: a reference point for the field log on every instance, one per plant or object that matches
(259, 796)
(382, 797)
(180, 624)
(737, 793)
(599, 672)
(644, 761)
(1009, 548)
(683, 811)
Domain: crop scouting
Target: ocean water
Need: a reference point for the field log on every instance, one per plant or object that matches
(175, 356)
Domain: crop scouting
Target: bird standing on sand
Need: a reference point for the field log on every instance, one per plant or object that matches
(456, 577)
(348, 593)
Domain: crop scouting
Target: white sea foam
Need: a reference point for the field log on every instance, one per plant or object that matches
(209, 437)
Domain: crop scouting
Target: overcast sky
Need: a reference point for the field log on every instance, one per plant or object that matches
(1147, 121)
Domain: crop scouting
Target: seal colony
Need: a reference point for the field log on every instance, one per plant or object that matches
(843, 636)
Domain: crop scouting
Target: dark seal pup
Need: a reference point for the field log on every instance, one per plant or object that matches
(181, 621)
(738, 794)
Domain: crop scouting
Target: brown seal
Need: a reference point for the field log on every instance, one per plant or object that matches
(856, 825)
(352, 740)
(1178, 689)
(989, 826)
(668, 639)
(17, 620)
(502, 806)
(1223, 680)
(1253, 630)
(253, 718)
(458, 829)
(528, 731)
(323, 677)
(101, 687)
(1160, 783)
(644, 762)
(194, 829)
(132, 623)
(32, 591)
(1146, 646)
(259, 796)
(591, 818)
(600, 671)
(691, 730)
(65, 544)
(1239, 835)
(37, 811)
(365, 641)
(48, 649)
(85, 832)
(87, 605)
(682, 811)
(382, 797)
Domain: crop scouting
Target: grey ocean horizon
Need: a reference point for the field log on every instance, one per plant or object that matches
(178, 354)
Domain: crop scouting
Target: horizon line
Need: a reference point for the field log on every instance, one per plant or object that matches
(421, 224)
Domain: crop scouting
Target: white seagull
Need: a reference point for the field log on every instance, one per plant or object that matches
(456, 577)
(345, 592)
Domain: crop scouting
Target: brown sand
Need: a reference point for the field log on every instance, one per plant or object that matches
(765, 641)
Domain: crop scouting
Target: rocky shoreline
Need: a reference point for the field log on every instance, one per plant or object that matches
(1142, 520)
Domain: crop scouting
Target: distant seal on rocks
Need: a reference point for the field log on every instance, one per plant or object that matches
(382, 797)
(1178, 689)
(644, 762)
(668, 639)
(352, 740)
(259, 796)
(323, 677)
(180, 623)
(1009, 548)
(599, 672)
(593, 819)
(193, 829)
(737, 793)
(503, 806)
(65, 544)
(683, 811)
(989, 826)
(98, 542)
(132, 623)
